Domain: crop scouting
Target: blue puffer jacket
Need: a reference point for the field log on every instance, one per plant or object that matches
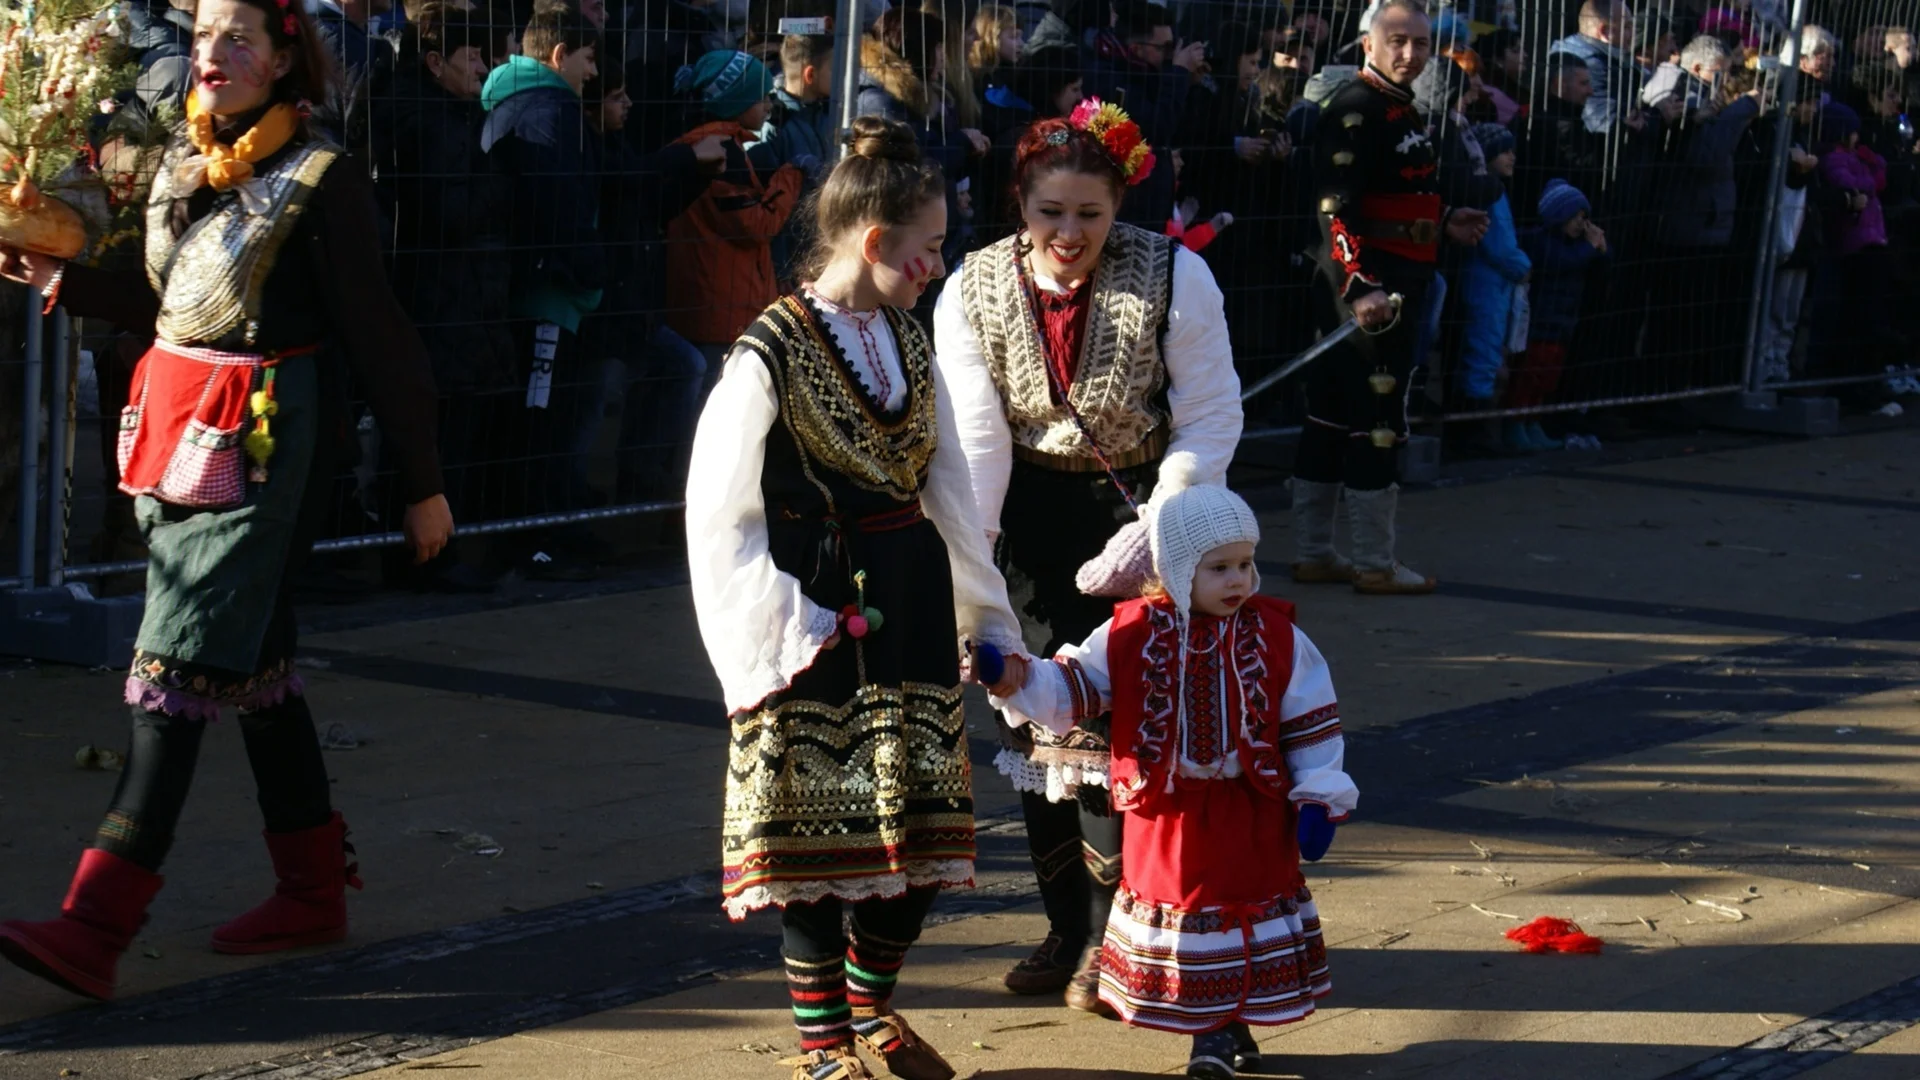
(1560, 265)
(1488, 277)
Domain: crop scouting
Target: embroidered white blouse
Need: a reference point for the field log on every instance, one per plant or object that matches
(1315, 751)
(759, 628)
(1203, 393)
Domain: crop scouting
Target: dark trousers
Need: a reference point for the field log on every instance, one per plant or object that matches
(1076, 852)
(1344, 408)
(1053, 522)
(541, 470)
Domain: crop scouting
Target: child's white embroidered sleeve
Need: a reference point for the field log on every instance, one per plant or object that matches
(1310, 734)
(1073, 686)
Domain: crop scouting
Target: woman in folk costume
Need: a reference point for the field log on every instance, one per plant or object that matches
(838, 563)
(1090, 370)
(1228, 765)
(263, 284)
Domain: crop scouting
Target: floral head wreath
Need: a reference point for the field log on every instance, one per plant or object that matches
(1117, 134)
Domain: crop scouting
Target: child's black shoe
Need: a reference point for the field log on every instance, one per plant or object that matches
(1246, 1052)
(1212, 1057)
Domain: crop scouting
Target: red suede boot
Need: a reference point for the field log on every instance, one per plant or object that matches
(310, 905)
(105, 907)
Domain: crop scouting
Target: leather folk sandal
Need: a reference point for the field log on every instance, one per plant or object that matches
(835, 1063)
(886, 1034)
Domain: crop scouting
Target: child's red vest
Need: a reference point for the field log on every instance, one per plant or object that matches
(1143, 656)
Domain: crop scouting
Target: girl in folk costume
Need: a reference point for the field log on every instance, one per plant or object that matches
(838, 562)
(264, 283)
(1227, 764)
(1090, 369)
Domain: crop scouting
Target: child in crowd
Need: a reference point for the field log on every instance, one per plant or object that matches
(533, 137)
(1228, 764)
(1562, 249)
(722, 247)
(1488, 276)
(800, 128)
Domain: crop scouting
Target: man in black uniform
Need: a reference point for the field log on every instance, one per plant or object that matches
(1381, 220)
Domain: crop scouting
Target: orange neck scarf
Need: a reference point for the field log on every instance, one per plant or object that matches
(231, 165)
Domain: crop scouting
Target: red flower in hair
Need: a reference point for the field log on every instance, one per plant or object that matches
(1118, 135)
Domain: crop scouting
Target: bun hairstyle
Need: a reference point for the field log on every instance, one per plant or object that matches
(289, 27)
(881, 181)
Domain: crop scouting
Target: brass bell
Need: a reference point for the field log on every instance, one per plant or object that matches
(1343, 158)
(1382, 382)
(1384, 438)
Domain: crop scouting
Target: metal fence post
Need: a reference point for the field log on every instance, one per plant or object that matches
(58, 435)
(846, 63)
(30, 444)
(1761, 311)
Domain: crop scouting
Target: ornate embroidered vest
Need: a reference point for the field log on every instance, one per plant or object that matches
(836, 466)
(1119, 383)
(1245, 674)
(834, 426)
(209, 279)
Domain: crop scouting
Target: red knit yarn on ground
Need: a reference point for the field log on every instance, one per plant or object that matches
(1548, 934)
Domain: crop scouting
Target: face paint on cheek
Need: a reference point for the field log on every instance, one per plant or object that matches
(248, 67)
(918, 272)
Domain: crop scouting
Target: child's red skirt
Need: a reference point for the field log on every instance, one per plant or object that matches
(1213, 921)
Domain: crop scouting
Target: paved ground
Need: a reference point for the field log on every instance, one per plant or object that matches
(1676, 699)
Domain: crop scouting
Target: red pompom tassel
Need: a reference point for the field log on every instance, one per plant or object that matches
(1548, 934)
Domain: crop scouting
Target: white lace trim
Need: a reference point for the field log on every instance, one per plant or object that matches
(1059, 783)
(954, 873)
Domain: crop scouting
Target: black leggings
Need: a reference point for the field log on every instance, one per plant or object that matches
(813, 931)
(288, 773)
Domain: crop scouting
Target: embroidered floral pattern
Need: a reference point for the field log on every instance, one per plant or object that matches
(1258, 751)
(182, 688)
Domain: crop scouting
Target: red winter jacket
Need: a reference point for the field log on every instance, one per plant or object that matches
(719, 252)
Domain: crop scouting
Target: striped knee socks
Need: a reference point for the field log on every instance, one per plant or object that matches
(819, 992)
(873, 969)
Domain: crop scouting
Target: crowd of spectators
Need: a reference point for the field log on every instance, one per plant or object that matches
(587, 200)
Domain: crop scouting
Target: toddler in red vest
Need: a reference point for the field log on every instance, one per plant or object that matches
(1228, 763)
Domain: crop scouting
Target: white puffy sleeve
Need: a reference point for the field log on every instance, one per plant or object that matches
(1203, 389)
(760, 630)
(1310, 734)
(980, 420)
(1075, 685)
(979, 592)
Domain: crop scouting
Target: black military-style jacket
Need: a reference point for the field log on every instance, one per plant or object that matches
(1379, 205)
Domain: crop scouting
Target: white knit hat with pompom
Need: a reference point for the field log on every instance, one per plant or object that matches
(1190, 524)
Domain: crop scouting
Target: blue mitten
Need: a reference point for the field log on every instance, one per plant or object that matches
(1316, 832)
(989, 666)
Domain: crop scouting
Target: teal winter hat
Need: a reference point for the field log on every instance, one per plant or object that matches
(729, 82)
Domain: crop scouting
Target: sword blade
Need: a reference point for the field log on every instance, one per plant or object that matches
(1312, 353)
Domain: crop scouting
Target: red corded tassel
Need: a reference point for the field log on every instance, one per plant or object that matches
(1548, 934)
